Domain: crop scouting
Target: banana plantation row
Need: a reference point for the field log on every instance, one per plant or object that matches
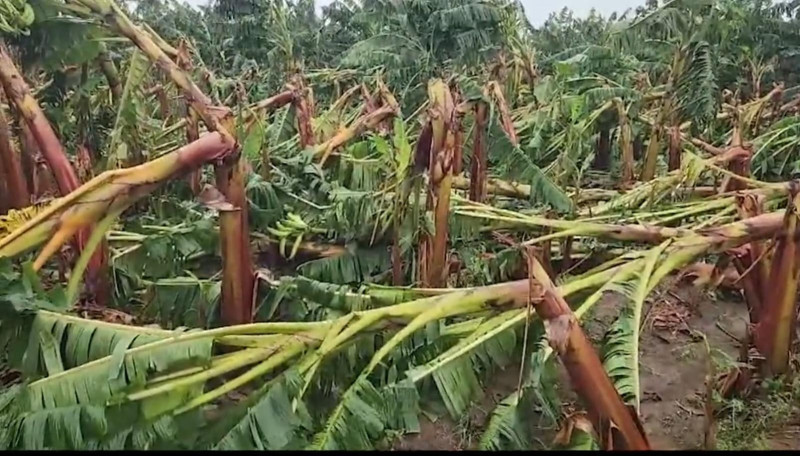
(363, 245)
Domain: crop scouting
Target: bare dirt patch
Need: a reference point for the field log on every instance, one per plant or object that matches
(673, 363)
(437, 436)
(445, 434)
(787, 438)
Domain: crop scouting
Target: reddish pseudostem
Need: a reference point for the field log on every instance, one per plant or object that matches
(505, 113)
(303, 108)
(626, 144)
(83, 163)
(238, 278)
(29, 153)
(275, 101)
(674, 148)
(735, 156)
(460, 109)
(108, 194)
(477, 183)
(237, 262)
(433, 249)
(617, 424)
(28, 109)
(19, 95)
(751, 260)
(774, 332)
(14, 177)
(739, 154)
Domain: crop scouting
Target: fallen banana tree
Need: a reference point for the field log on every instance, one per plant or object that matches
(701, 214)
(34, 121)
(230, 174)
(156, 374)
(769, 279)
(101, 200)
(173, 387)
(347, 367)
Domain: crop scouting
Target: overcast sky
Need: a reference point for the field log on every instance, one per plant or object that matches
(538, 10)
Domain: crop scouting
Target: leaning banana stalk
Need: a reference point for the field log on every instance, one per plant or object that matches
(267, 352)
(272, 345)
(639, 233)
(478, 183)
(434, 152)
(509, 189)
(110, 72)
(238, 279)
(567, 228)
(273, 102)
(775, 330)
(303, 102)
(359, 126)
(618, 426)
(119, 21)
(494, 90)
(753, 256)
(110, 192)
(11, 168)
(19, 95)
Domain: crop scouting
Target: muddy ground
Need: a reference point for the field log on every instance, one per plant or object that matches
(673, 364)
